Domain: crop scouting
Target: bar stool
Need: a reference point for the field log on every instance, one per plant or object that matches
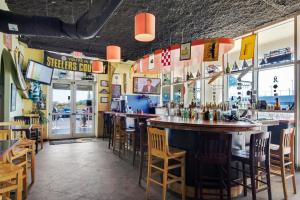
(159, 150)
(10, 180)
(121, 135)
(37, 129)
(214, 150)
(258, 153)
(282, 159)
(143, 148)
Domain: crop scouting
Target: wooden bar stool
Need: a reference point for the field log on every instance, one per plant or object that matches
(10, 180)
(121, 135)
(282, 159)
(143, 148)
(214, 150)
(37, 128)
(258, 154)
(159, 150)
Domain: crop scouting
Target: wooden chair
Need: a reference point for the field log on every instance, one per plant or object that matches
(121, 135)
(282, 159)
(10, 180)
(214, 150)
(158, 149)
(18, 157)
(38, 128)
(29, 145)
(5, 134)
(258, 154)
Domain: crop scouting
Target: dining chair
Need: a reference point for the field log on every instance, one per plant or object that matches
(282, 159)
(11, 180)
(159, 150)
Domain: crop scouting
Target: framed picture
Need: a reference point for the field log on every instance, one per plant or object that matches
(116, 91)
(185, 51)
(104, 91)
(103, 83)
(116, 79)
(104, 100)
(13, 98)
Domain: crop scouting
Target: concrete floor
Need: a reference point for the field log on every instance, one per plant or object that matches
(90, 171)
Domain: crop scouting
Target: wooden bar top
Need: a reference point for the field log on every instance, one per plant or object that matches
(203, 125)
(141, 115)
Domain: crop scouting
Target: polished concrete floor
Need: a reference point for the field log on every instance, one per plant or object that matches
(90, 171)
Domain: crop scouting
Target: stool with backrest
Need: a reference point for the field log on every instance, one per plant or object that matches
(213, 151)
(258, 160)
(121, 135)
(282, 159)
(159, 150)
(38, 128)
(10, 180)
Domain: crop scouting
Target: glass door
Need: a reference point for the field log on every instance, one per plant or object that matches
(84, 109)
(72, 106)
(60, 111)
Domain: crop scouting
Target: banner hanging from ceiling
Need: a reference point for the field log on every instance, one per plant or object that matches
(211, 51)
(247, 48)
(69, 63)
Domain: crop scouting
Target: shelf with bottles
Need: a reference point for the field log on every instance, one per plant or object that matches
(276, 65)
(274, 111)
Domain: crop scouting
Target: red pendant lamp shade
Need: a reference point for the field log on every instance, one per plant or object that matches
(113, 53)
(144, 27)
(97, 66)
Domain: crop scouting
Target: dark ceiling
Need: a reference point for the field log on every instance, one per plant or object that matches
(176, 21)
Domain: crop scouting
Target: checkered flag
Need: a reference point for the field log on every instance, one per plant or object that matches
(166, 57)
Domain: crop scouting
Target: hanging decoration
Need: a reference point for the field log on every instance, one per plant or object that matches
(113, 53)
(211, 51)
(151, 62)
(144, 24)
(247, 48)
(166, 57)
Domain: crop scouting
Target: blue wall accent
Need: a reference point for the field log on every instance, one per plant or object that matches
(136, 102)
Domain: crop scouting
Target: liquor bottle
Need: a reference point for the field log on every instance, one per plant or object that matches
(187, 76)
(277, 104)
(227, 69)
(198, 75)
(191, 76)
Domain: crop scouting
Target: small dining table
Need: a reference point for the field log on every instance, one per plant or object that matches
(5, 147)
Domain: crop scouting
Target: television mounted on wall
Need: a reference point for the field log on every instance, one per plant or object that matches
(145, 85)
(39, 72)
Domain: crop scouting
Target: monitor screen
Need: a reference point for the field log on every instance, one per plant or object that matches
(144, 85)
(38, 72)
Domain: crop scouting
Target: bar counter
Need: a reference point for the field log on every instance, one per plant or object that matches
(184, 134)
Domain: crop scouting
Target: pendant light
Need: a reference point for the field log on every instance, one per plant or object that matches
(113, 53)
(97, 66)
(144, 27)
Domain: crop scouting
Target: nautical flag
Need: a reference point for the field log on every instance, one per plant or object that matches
(211, 51)
(151, 62)
(166, 57)
(247, 48)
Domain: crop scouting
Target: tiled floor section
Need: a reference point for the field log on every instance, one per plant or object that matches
(90, 171)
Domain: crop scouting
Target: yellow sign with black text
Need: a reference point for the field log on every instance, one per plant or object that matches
(69, 63)
(247, 49)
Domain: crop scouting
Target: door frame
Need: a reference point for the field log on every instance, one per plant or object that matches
(73, 84)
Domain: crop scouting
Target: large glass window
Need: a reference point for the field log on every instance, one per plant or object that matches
(277, 83)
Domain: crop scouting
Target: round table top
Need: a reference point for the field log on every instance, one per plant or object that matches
(203, 125)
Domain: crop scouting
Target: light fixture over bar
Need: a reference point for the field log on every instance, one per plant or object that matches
(144, 27)
(113, 53)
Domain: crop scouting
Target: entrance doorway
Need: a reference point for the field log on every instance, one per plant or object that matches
(72, 109)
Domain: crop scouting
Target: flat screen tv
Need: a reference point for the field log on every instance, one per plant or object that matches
(39, 72)
(144, 85)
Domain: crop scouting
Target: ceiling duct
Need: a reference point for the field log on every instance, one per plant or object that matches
(86, 27)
